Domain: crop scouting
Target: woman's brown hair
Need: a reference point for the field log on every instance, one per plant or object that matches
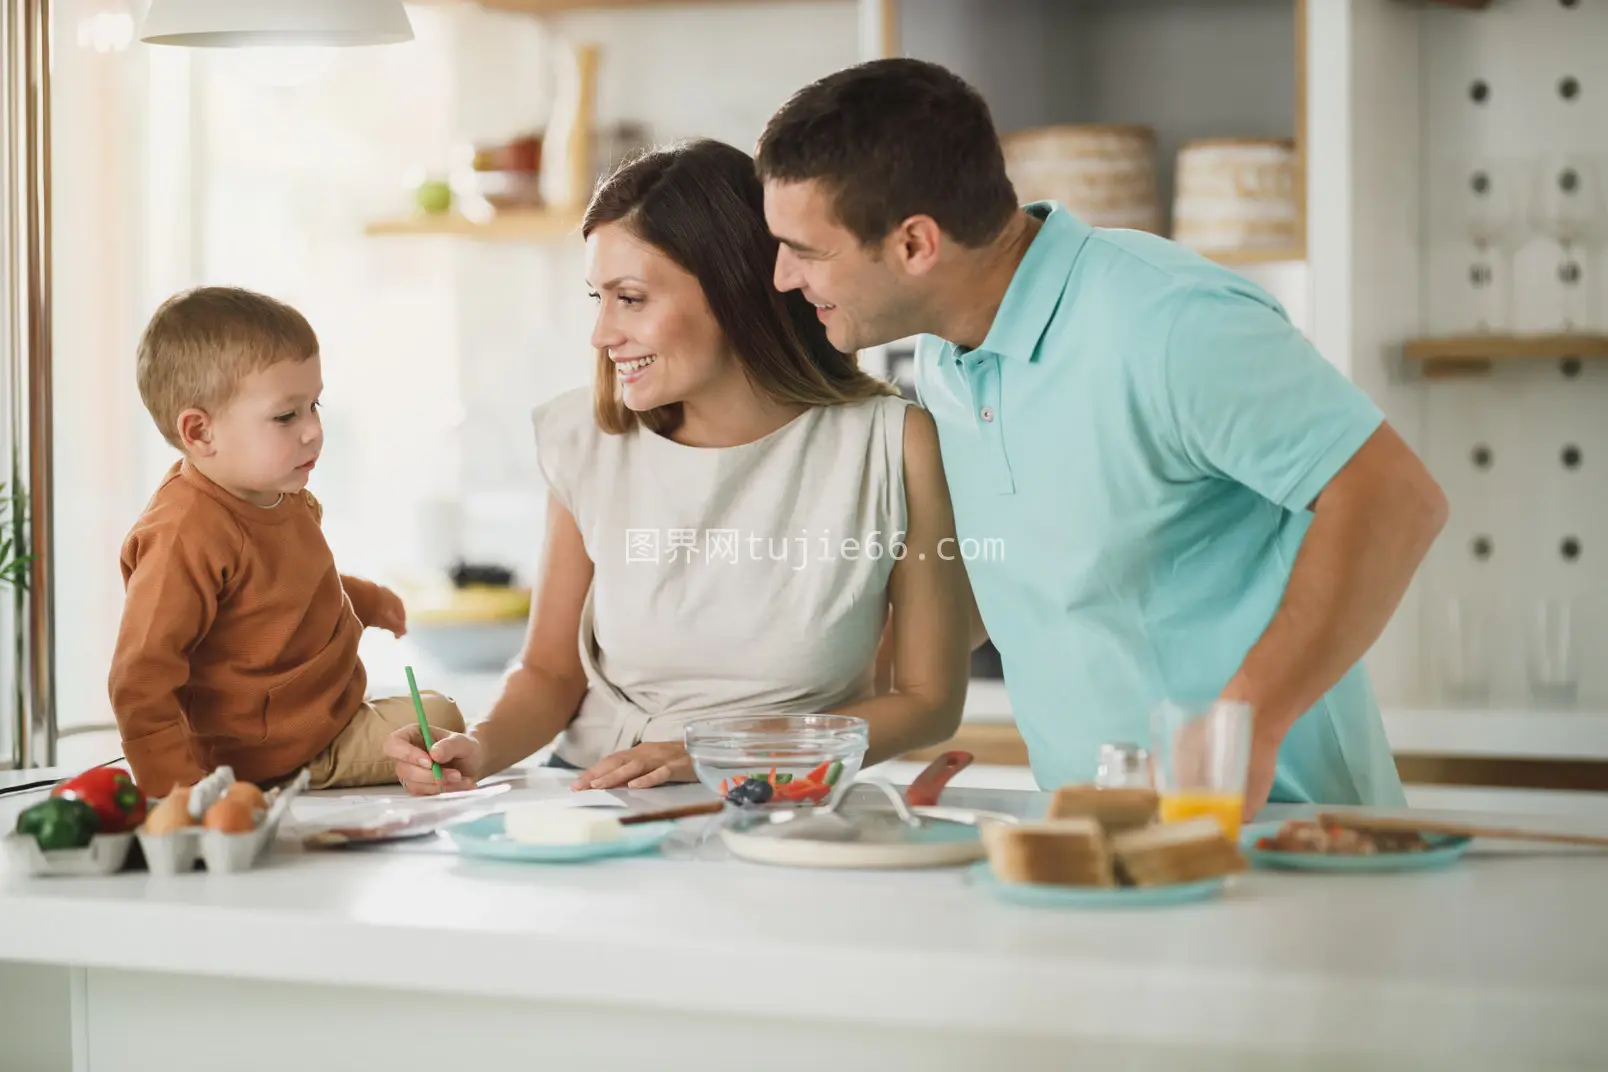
(701, 204)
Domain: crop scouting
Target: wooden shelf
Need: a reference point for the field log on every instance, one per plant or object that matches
(1463, 355)
(1235, 257)
(536, 225)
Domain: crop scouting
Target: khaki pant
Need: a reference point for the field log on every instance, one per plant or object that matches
(355, 757)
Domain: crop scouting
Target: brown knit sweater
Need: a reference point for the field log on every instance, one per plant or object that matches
(238, 643)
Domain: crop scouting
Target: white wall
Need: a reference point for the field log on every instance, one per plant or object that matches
(1019, 63)
(177, 168)
(101, 234)
(523, 318)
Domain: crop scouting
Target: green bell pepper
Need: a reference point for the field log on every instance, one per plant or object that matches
(60, 823)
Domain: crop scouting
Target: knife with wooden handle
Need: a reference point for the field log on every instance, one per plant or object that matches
(709, 807)
(929, 784)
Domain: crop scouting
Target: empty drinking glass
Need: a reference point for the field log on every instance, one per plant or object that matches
(1566, 204)
(1123, 766)
(1465, 652)
(1492, 216)
(1554, 661)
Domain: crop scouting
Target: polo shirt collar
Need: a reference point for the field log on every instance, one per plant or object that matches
(1040, 280)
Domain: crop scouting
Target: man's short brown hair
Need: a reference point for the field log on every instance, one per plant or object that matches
(201, 343)
(891, 139)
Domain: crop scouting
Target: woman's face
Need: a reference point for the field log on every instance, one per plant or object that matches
(653, 322)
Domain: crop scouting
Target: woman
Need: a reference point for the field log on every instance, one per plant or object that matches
(725, 509)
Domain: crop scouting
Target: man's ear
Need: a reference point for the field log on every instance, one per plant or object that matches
(195, 432)
(915, 244)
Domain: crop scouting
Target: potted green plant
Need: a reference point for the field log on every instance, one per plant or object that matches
(13, 538)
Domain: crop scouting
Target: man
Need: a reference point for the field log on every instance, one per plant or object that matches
(1192, 503)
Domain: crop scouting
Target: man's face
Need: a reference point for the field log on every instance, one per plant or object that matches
(861, 296)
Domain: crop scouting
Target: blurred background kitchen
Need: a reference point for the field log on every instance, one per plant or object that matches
(1422, 185)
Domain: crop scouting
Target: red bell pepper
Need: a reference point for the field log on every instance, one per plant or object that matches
(810, 791)
(116, 800)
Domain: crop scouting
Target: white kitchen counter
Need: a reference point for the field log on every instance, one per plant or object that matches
(409, 959)
(1492, 732)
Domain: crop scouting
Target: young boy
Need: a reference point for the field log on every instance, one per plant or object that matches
(239, 638)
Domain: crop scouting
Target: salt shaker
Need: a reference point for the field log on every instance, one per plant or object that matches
(1123, 766)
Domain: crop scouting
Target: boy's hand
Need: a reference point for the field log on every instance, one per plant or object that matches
(389, 613)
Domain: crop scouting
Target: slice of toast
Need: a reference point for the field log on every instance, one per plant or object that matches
(1169, 853)
(1060, 852)
(1116, 810)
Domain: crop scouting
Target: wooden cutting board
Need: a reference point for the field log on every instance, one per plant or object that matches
(1403, 825)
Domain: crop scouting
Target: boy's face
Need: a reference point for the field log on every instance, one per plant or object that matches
(864, 295)
(262, 444)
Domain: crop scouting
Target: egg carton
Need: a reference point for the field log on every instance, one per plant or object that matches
(177, 852)
(106, 854)
(164, 854)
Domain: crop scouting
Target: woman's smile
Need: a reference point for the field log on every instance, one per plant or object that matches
(631, 369)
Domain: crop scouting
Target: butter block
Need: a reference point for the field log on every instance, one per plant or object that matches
(545, 824)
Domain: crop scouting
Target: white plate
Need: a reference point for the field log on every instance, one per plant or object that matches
(935, 844)
(484, 837)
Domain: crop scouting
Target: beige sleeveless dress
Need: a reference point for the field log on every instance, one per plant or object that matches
(731, 580)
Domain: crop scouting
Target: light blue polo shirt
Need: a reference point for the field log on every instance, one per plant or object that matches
(1132, 454)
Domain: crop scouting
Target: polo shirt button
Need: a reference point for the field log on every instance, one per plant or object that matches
(987, 413)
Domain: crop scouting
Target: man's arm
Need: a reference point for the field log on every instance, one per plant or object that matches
(1371, 527)
(1243, 396)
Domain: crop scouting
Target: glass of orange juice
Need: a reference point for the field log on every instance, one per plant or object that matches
(1201, 754)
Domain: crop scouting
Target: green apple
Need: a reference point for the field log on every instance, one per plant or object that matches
(434, 196)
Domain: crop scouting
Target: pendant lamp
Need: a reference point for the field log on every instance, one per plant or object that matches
(272, 23)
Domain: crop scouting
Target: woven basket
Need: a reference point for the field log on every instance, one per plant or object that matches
(1105, 174)
(1235, 194)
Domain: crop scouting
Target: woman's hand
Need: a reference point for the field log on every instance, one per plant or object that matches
(458, 753)
(642, 767)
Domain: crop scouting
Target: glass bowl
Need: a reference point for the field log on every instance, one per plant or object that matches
(802, 760)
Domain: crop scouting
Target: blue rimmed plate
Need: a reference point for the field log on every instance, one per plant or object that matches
(1041, 896)
(486, 838)
(1442, 852)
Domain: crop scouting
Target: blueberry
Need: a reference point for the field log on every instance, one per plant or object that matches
(750, 791)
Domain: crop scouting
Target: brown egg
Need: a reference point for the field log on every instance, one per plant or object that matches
(172, 813)
(230, 816)
(247, 794)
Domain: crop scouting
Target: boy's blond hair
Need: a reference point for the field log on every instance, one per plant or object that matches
(201, 343)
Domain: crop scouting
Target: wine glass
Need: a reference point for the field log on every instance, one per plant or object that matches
(1492, 215)
(1554, 653)
(1566, 204)
(1466, 651)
